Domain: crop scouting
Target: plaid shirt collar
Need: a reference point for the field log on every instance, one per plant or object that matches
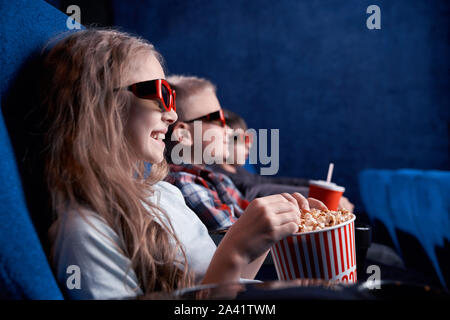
(198, 170)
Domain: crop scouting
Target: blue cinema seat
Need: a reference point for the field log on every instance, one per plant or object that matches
(413, 205)
(24, 270)
(26, 25)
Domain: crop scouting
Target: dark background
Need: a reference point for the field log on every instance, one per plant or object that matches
(337, 91)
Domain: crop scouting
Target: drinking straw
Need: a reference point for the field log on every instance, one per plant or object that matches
(330, 172)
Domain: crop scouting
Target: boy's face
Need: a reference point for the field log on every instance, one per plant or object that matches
(214, 135)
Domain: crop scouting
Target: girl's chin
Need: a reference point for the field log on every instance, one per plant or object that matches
(154, 153)
(154, 159)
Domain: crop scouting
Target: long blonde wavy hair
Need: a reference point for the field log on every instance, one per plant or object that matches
(89, 162)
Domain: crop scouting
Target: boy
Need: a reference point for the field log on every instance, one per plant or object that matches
(200, 138)
(211, 195)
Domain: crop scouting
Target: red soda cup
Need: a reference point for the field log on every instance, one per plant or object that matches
(327, 192)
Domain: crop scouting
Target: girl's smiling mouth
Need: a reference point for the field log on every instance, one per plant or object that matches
(159, 136)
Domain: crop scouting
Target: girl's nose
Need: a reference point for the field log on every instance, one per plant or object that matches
(228, 131)
(170, 117)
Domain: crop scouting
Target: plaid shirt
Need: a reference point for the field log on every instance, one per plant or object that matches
(211, 195)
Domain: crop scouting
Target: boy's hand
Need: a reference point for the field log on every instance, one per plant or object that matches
(344, 203)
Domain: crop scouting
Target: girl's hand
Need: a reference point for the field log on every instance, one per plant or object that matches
(265, 221)
(308, 204)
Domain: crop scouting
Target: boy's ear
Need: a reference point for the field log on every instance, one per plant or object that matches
(181, 133)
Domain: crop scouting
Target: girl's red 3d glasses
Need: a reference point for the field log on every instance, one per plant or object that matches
(158, 89)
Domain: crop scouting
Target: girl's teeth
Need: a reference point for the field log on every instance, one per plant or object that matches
(158, 136)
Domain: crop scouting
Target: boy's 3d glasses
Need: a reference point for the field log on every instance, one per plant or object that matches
(217, 115)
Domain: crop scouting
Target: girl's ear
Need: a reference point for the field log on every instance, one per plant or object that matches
(181, 133)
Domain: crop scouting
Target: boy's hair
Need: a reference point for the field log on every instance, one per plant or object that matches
(234, 121)
(185, 87)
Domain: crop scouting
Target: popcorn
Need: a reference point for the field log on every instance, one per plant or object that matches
(323, 247)
(316, 219)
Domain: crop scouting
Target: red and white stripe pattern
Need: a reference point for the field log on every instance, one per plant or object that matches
(328, 254)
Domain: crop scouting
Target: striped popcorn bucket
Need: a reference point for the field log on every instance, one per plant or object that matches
(323, 254)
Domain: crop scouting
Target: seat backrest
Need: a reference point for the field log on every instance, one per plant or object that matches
(416, 203)
(26, 25)
(24, 270)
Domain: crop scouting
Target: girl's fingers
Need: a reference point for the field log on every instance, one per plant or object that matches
(287, 217)
(314, 203)
(290, 198)
(302, 202)
(273, 199)
(282, 207)
(287, 229)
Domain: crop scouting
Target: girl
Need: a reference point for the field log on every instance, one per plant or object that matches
(119, 233)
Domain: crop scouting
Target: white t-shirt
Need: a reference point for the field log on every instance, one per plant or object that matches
(105, 272)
